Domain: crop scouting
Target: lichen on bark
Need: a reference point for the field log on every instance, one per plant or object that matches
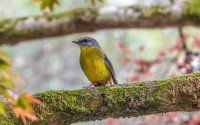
(15, 30)
(87, 19)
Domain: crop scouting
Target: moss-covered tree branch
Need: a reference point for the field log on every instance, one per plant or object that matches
(125, 100)
(87, 19)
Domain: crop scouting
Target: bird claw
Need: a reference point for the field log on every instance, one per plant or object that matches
(87, 87)
(92, 88)
(108, 84)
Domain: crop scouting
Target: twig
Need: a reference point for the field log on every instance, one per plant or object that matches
(172, 1)
(182, 38)
(184, 47)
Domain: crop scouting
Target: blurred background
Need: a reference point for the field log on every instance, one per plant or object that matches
(136, 54)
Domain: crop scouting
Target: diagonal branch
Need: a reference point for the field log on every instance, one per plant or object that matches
(87, 19)
(176, 94)
(184, 45)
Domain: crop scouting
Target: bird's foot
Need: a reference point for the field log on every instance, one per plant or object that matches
(87, 86)
(108, 84)
(92, 88)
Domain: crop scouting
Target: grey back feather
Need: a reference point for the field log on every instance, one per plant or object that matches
(110, 67)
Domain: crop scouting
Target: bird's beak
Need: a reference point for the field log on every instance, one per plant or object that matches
(75, 42)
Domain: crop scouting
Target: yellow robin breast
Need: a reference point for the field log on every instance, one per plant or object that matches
(93, 65)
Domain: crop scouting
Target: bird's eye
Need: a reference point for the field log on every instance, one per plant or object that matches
(85, 40)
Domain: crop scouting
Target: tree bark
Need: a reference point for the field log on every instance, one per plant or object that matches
(87, 19)
(175, 94)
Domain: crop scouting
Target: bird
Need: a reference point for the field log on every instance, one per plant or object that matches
(95, 63)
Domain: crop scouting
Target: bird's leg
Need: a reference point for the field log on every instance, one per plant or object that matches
(92, 88)
(87, 86)
(108, 84)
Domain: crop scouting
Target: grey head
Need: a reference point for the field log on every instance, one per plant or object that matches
(87, 41)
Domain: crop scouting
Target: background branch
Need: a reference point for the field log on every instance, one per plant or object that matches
(90, 19)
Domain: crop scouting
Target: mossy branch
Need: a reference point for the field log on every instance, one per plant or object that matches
(176, 94)
(87, 19)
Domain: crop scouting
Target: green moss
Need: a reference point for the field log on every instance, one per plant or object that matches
(10, 119)
(192, 10)
(116, 101)
(163, 83)
(154, 11)
(101, 101)
(76, 14)
(9, 32)
(111, 99)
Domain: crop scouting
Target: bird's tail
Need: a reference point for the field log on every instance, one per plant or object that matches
(114, 79)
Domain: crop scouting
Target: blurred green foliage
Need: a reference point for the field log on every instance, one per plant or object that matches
(7, 78)
(21, 106)
(47, 3)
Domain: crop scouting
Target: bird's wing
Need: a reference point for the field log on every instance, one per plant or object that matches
(110, 67)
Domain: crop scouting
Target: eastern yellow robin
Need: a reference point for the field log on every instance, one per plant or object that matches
(94, 62)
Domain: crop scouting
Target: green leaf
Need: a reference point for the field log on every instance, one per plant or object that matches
(8, 84)
(23, 101)
(47, 3)
(4, 66)
(93, 1)
(2, 108)
(7, 80)
(4, 58)
(4, 92)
